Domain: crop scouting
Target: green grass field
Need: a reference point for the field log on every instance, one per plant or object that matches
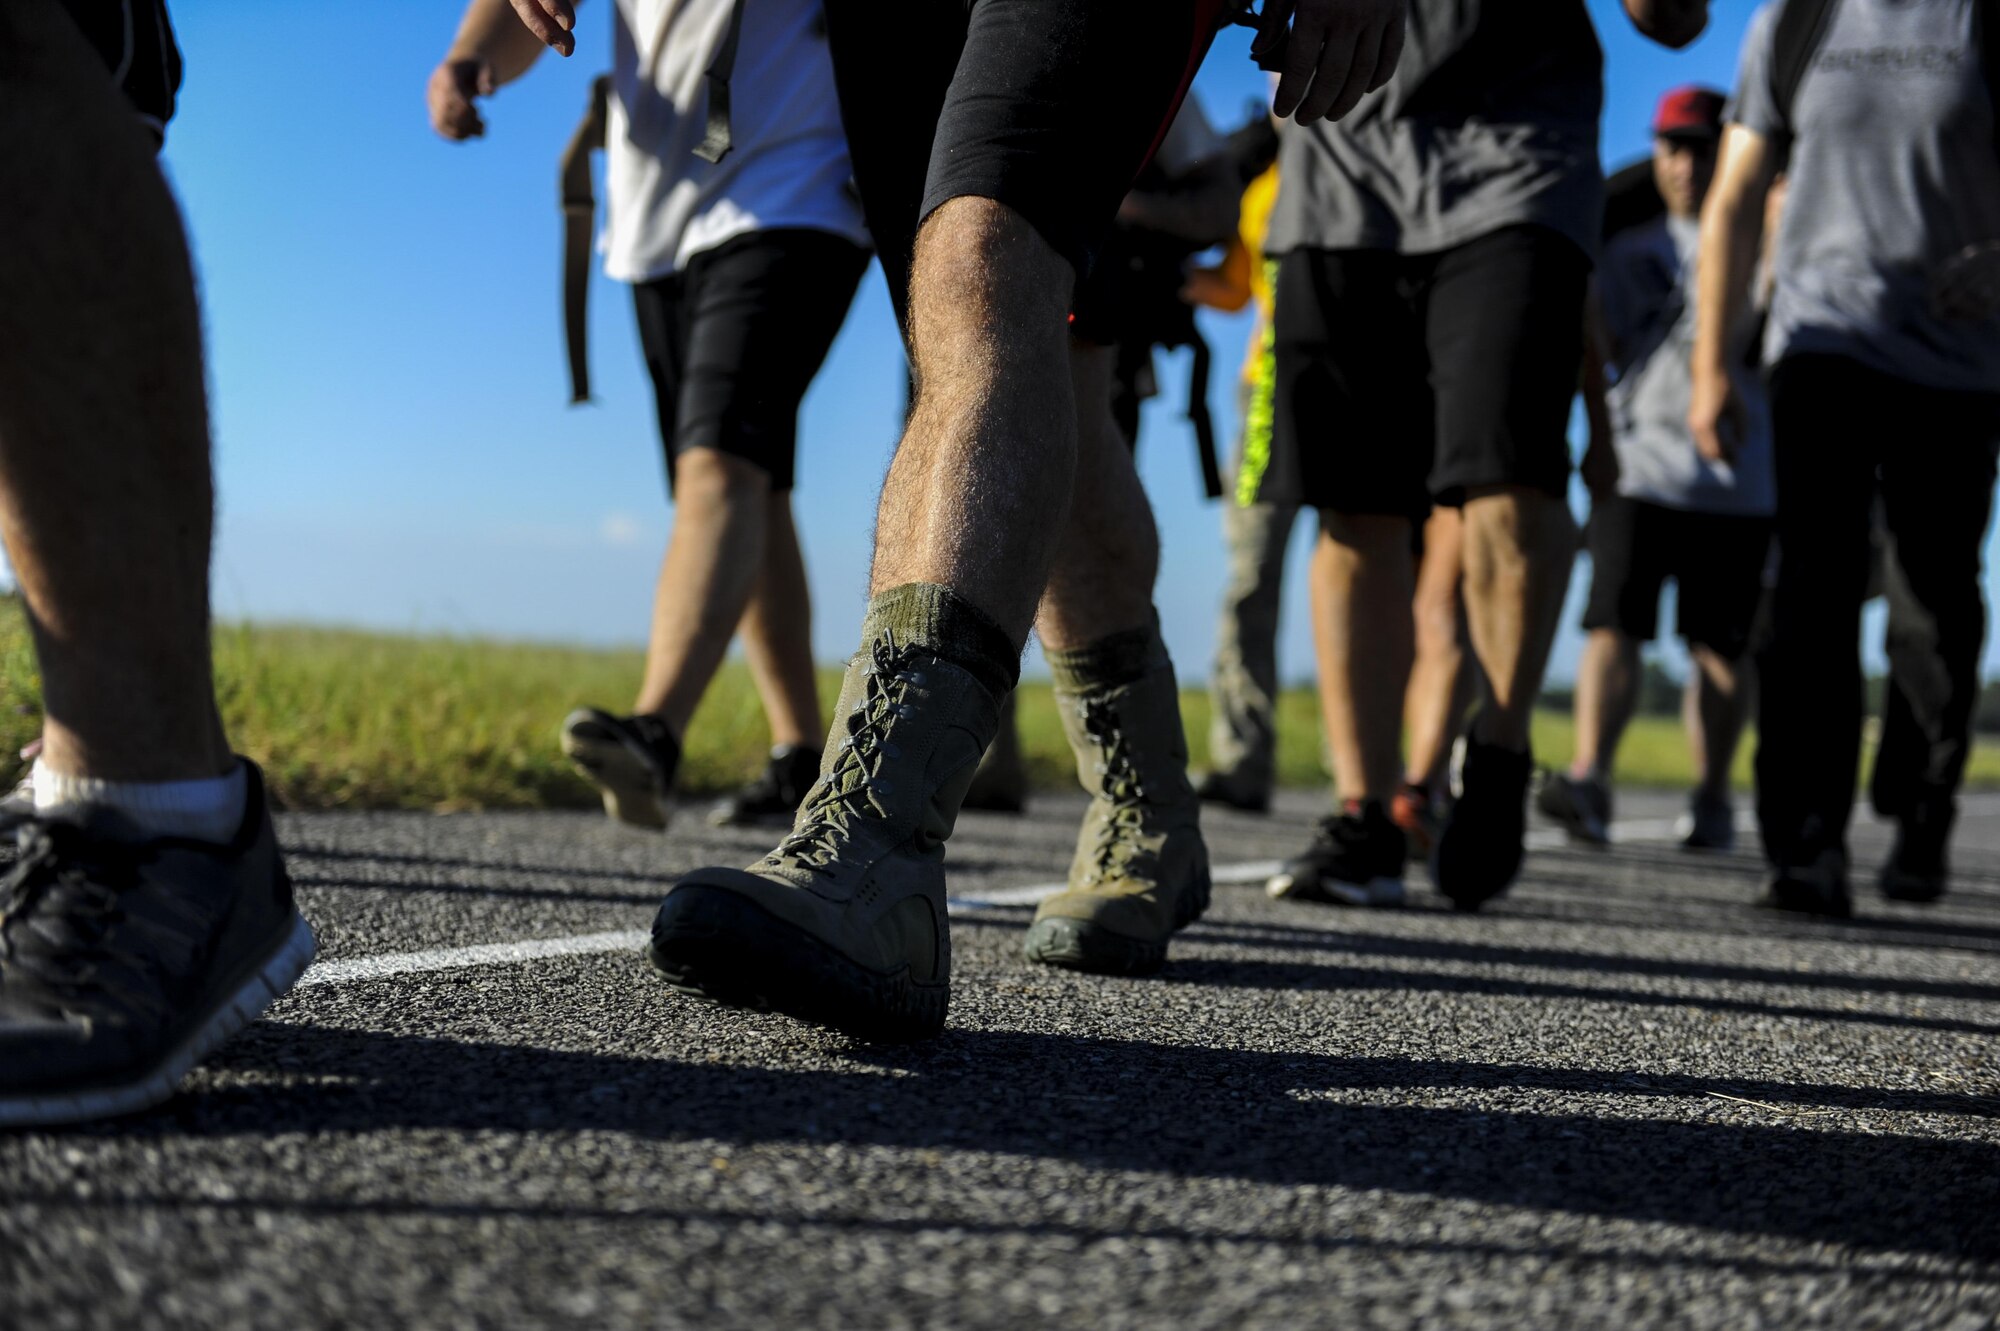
(353, 720)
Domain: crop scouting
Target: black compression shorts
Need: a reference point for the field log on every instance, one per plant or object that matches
(1049, 107)
(734, 339)
(137, 44)
(1406, 378)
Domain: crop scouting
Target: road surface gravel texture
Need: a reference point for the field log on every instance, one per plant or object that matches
(1620, 1097)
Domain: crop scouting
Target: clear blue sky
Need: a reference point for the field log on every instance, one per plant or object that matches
(387, 364)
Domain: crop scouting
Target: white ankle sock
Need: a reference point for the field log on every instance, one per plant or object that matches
(209, 809)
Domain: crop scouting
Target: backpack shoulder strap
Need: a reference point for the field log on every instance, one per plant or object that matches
(579, 205)
(1800, 27)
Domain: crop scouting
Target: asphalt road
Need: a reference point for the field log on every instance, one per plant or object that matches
(1620, 1097)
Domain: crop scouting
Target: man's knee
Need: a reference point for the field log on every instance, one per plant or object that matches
(980, 263)
(1367, 537)
(711, 478)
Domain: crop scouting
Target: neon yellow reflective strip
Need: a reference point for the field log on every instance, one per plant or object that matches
(1263, 398)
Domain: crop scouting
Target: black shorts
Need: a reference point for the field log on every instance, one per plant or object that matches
(1050, 107)
(137, 44)
(734, 339)
(1716, 561)
(1403, 379)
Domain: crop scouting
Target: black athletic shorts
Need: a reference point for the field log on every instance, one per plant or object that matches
(1050, 107)
(1402, 379)
(1716, 561)
(734, 339)
(137, 44)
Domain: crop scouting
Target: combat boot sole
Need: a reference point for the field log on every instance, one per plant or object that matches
(624, 781)
(717, 944)
(1085, 945)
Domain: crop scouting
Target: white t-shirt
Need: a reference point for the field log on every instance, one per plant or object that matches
(788, 167)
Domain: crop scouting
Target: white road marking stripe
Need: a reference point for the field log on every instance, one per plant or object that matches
(388, 965)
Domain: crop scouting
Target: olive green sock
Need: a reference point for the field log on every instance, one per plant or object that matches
(938, 618)
(1111, 661)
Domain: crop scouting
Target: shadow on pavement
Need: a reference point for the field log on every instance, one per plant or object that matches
(1267, 1117)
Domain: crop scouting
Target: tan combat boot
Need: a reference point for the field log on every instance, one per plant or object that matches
(1141, 867)
(844, 923)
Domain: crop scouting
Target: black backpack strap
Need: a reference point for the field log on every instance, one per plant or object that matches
(1800, 27)
(716, 144)
(579, 205)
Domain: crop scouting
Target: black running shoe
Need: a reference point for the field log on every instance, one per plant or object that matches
(124, 963)
(1580, 808)
(1709, 824)
(1356, 859)
(1479, 852)
(1918, 867)
(631, 760)
(1815, 887)
(774, 797)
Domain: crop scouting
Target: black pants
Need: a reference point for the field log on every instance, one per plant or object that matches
(1843, 432)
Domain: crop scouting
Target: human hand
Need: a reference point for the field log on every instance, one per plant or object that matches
(553, 21)
(1715, 413)
(454, 86)
(1333, 53)
(1967, 285)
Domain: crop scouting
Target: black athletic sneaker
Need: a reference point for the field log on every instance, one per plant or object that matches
(1918, 867)
(1356, 859)
(1580, 808)
(1816, 887)
(1709, 823)
(631, 760)
(123, 964)
(1479, 852)
(774, 797)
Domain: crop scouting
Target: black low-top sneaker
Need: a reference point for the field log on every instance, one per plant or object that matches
(1709, 823)
(1581, 808)
(1356, 859)
(1918, 868)
(1816, 886)
(774, 797)
(1479, 853)
(632, 760)
(124, 963)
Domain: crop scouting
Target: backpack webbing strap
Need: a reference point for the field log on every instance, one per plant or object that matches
(1198, 416)
(579, 205)
(716, 143)
(1801, 25)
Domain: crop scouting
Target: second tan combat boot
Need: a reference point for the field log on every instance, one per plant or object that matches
(1141, 867)
(844, 923)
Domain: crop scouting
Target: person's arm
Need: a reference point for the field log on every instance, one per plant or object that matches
(1732, 227)
(493, 47)
(1200, 208)
(1672, 23)
(1225, 286)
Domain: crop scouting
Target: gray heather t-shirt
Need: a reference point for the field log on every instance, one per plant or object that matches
(1490, 121)
(1893, 171)
(1646, 283)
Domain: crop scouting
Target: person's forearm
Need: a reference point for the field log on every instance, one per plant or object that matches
(1201, 209)
(1732, 226)
(1672, 23)
(491, 33)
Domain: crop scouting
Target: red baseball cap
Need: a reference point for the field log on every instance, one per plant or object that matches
(1691, 112)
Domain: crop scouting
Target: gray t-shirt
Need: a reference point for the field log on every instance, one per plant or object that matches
(1490, 121)
(1893, 171)
(1646, 283)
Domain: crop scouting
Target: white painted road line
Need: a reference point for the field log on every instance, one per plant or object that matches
(388, 965)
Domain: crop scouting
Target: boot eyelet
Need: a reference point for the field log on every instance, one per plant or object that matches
(915, 677)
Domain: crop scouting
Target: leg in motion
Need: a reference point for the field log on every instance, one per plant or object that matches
(1441, 680)
(1715, 708)
(147, 917)
(1243, 682)
(844, 922)
(1504, 327)
(1140, 871)
(777, 644)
